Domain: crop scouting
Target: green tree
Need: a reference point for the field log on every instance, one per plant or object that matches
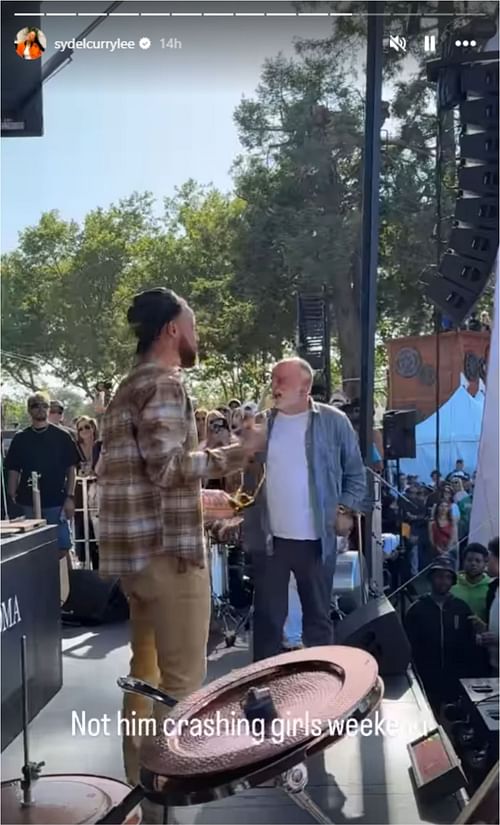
(64, 291)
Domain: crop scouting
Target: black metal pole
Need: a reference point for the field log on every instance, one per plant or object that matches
(370, 229)
(437, 333)
(439, 250)
(369, 248)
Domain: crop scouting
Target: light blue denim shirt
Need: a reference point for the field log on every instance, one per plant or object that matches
(336, 476)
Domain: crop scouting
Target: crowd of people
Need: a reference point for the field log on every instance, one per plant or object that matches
(289, 480)
(431, 518)
(453, 629)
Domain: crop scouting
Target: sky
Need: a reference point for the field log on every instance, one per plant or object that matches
(120, 122)
(142, 119)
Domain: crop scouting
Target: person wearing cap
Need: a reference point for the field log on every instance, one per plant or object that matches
(56, 413)
(49, 451)
(442, 636)
(151, 530)
(56, 417)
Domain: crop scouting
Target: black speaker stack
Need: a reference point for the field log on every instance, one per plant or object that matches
(399, 434)
(313, 339)
(467, 78)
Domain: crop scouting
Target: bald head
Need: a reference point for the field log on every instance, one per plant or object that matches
(292, 380)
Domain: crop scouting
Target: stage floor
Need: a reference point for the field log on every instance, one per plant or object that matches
(360, 780)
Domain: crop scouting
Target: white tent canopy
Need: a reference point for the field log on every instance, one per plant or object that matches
(484, 516)
(459, 433)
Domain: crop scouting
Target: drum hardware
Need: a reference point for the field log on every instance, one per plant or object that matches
(259, 705)
(362, 574)
(30, 770)
(223, 610)
(294, 784)
(60, 799)
(339, 683)
(336, 613)
(131, 685)
(68, 799)
(231, 622)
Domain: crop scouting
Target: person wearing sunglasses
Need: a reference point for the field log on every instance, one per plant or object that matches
(219, 435)
(49, 451)
(89, 445)
(56, 417)
(151, 531)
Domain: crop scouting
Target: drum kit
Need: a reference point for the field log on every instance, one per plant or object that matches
(256, 726)
(230, 578)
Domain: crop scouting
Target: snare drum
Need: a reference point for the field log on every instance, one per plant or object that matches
(218, 570)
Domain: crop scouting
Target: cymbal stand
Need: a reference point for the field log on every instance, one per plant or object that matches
(294, 783)
(361, 557)
(31, 770)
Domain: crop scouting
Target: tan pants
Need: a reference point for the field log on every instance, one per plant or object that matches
(169, 624)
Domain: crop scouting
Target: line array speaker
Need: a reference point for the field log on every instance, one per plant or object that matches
(471, 83)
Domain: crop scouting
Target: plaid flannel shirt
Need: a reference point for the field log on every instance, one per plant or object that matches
(150, 484)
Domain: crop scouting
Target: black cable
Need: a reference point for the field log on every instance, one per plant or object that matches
(487, 698)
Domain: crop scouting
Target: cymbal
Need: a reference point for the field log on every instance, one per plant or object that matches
(209, 733)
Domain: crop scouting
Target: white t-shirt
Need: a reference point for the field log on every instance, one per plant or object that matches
(287, 480)
(27, 54)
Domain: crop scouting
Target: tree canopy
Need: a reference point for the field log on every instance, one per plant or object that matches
(292, 223)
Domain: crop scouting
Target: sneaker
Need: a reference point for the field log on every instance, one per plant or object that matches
(288, 647)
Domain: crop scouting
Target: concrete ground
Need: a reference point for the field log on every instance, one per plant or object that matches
(362, 780)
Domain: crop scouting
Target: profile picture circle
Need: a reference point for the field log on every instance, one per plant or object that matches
(30, 43)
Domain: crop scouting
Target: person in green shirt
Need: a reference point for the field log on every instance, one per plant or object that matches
(472, 585)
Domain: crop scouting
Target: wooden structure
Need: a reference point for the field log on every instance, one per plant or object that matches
(413, 376)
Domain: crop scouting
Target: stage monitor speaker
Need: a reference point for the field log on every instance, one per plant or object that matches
(399, 434)
(94, 601)
(376, 628)
(22, 108)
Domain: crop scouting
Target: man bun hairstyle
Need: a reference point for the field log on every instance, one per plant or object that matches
(149, 313)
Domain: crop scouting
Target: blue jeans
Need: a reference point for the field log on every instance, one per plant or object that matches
(293, 625)
(55, 515)
(413, 558)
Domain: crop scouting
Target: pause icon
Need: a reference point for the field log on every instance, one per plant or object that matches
(430, 43)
